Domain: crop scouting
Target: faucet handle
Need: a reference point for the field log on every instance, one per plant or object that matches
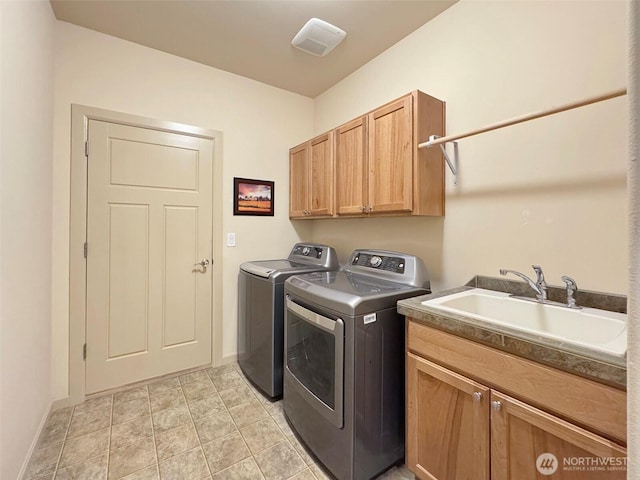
(539, 276)
(572, 288)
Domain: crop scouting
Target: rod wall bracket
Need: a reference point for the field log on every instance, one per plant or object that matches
(453, 164)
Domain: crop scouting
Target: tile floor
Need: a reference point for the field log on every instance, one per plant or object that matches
(209, 424)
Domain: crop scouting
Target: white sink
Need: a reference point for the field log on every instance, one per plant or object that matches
(594, 329)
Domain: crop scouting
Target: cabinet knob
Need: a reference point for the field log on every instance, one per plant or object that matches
(477, 396)
(496, 406)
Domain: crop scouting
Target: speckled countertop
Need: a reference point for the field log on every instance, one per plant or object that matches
(608, 369)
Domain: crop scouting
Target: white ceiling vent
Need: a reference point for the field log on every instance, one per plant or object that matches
(318, 37)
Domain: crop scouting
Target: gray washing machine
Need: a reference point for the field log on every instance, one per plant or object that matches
(344, 360)
(261, 311)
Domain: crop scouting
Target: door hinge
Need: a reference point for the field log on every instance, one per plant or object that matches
(85, 249)
(86, 149)
(84, 352)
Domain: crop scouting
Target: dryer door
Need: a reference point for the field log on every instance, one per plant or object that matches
(314, 350)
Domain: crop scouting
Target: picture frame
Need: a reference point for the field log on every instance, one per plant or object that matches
(253, 197)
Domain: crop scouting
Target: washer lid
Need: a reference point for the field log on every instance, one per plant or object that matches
(349, 294)
(280, 268)
(304, 258)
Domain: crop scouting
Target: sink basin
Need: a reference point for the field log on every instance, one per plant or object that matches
(590, 328)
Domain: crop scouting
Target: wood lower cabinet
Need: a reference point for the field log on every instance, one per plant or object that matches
(529, 444)
(460, 425)
(447, 423)
(311, 178)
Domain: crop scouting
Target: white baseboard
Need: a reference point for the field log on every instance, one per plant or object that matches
(61, 403)
(228, 359)
(34, 442)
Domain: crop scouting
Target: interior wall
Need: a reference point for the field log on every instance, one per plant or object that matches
(97, 70)
(633, 338)
(550, 191)
(26, 139)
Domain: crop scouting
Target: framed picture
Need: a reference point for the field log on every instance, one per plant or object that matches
(252, 197)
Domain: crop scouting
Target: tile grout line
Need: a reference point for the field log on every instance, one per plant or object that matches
(251, 454)
(193, 423)
(64, 442)
(238, 429)
(153, 433)
(284, 435)
(113, 401)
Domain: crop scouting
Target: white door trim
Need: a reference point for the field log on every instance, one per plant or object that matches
(80, 116)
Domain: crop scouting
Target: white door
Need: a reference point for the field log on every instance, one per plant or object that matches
(149, 224)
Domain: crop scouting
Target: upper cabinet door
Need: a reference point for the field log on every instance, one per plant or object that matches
(351, 167)
(391, 157)
(321, 194)
(299, 181)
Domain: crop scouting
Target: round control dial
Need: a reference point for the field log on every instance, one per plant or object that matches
(375, 261)
(305, 251)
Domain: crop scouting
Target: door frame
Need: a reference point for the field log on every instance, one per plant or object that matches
(80, 116)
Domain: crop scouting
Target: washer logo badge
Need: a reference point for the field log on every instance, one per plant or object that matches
(369, 318)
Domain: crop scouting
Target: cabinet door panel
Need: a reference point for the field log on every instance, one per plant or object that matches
(520, 434)
(321, 194)
(351, 167)
(298, 181)
(391, 157)
(447, 428)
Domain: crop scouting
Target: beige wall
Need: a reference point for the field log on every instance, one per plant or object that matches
(26, 136)
(259, 124)
(551, 191)
(633, 339)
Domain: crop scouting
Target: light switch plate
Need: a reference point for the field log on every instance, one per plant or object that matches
(231, 239)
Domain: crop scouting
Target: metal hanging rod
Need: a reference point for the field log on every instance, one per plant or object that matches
(524, 118)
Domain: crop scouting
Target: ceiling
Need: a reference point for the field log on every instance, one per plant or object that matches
(252, 38)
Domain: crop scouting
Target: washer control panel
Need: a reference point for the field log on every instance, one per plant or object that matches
(379, 262)
(388, 265)
(307, 251)
(314, 254)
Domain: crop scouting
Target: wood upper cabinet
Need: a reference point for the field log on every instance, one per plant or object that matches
(351, 167)
(379, 168)
(311, 178)
(448, 428)
(390, 157)
(459, 424)
(299, 181)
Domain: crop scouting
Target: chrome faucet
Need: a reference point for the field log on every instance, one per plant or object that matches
(572, 288)
(539, 286)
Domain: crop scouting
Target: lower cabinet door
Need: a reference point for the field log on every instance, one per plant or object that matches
(528, 444)
(447, 423)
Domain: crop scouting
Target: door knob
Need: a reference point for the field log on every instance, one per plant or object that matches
(202, 263)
